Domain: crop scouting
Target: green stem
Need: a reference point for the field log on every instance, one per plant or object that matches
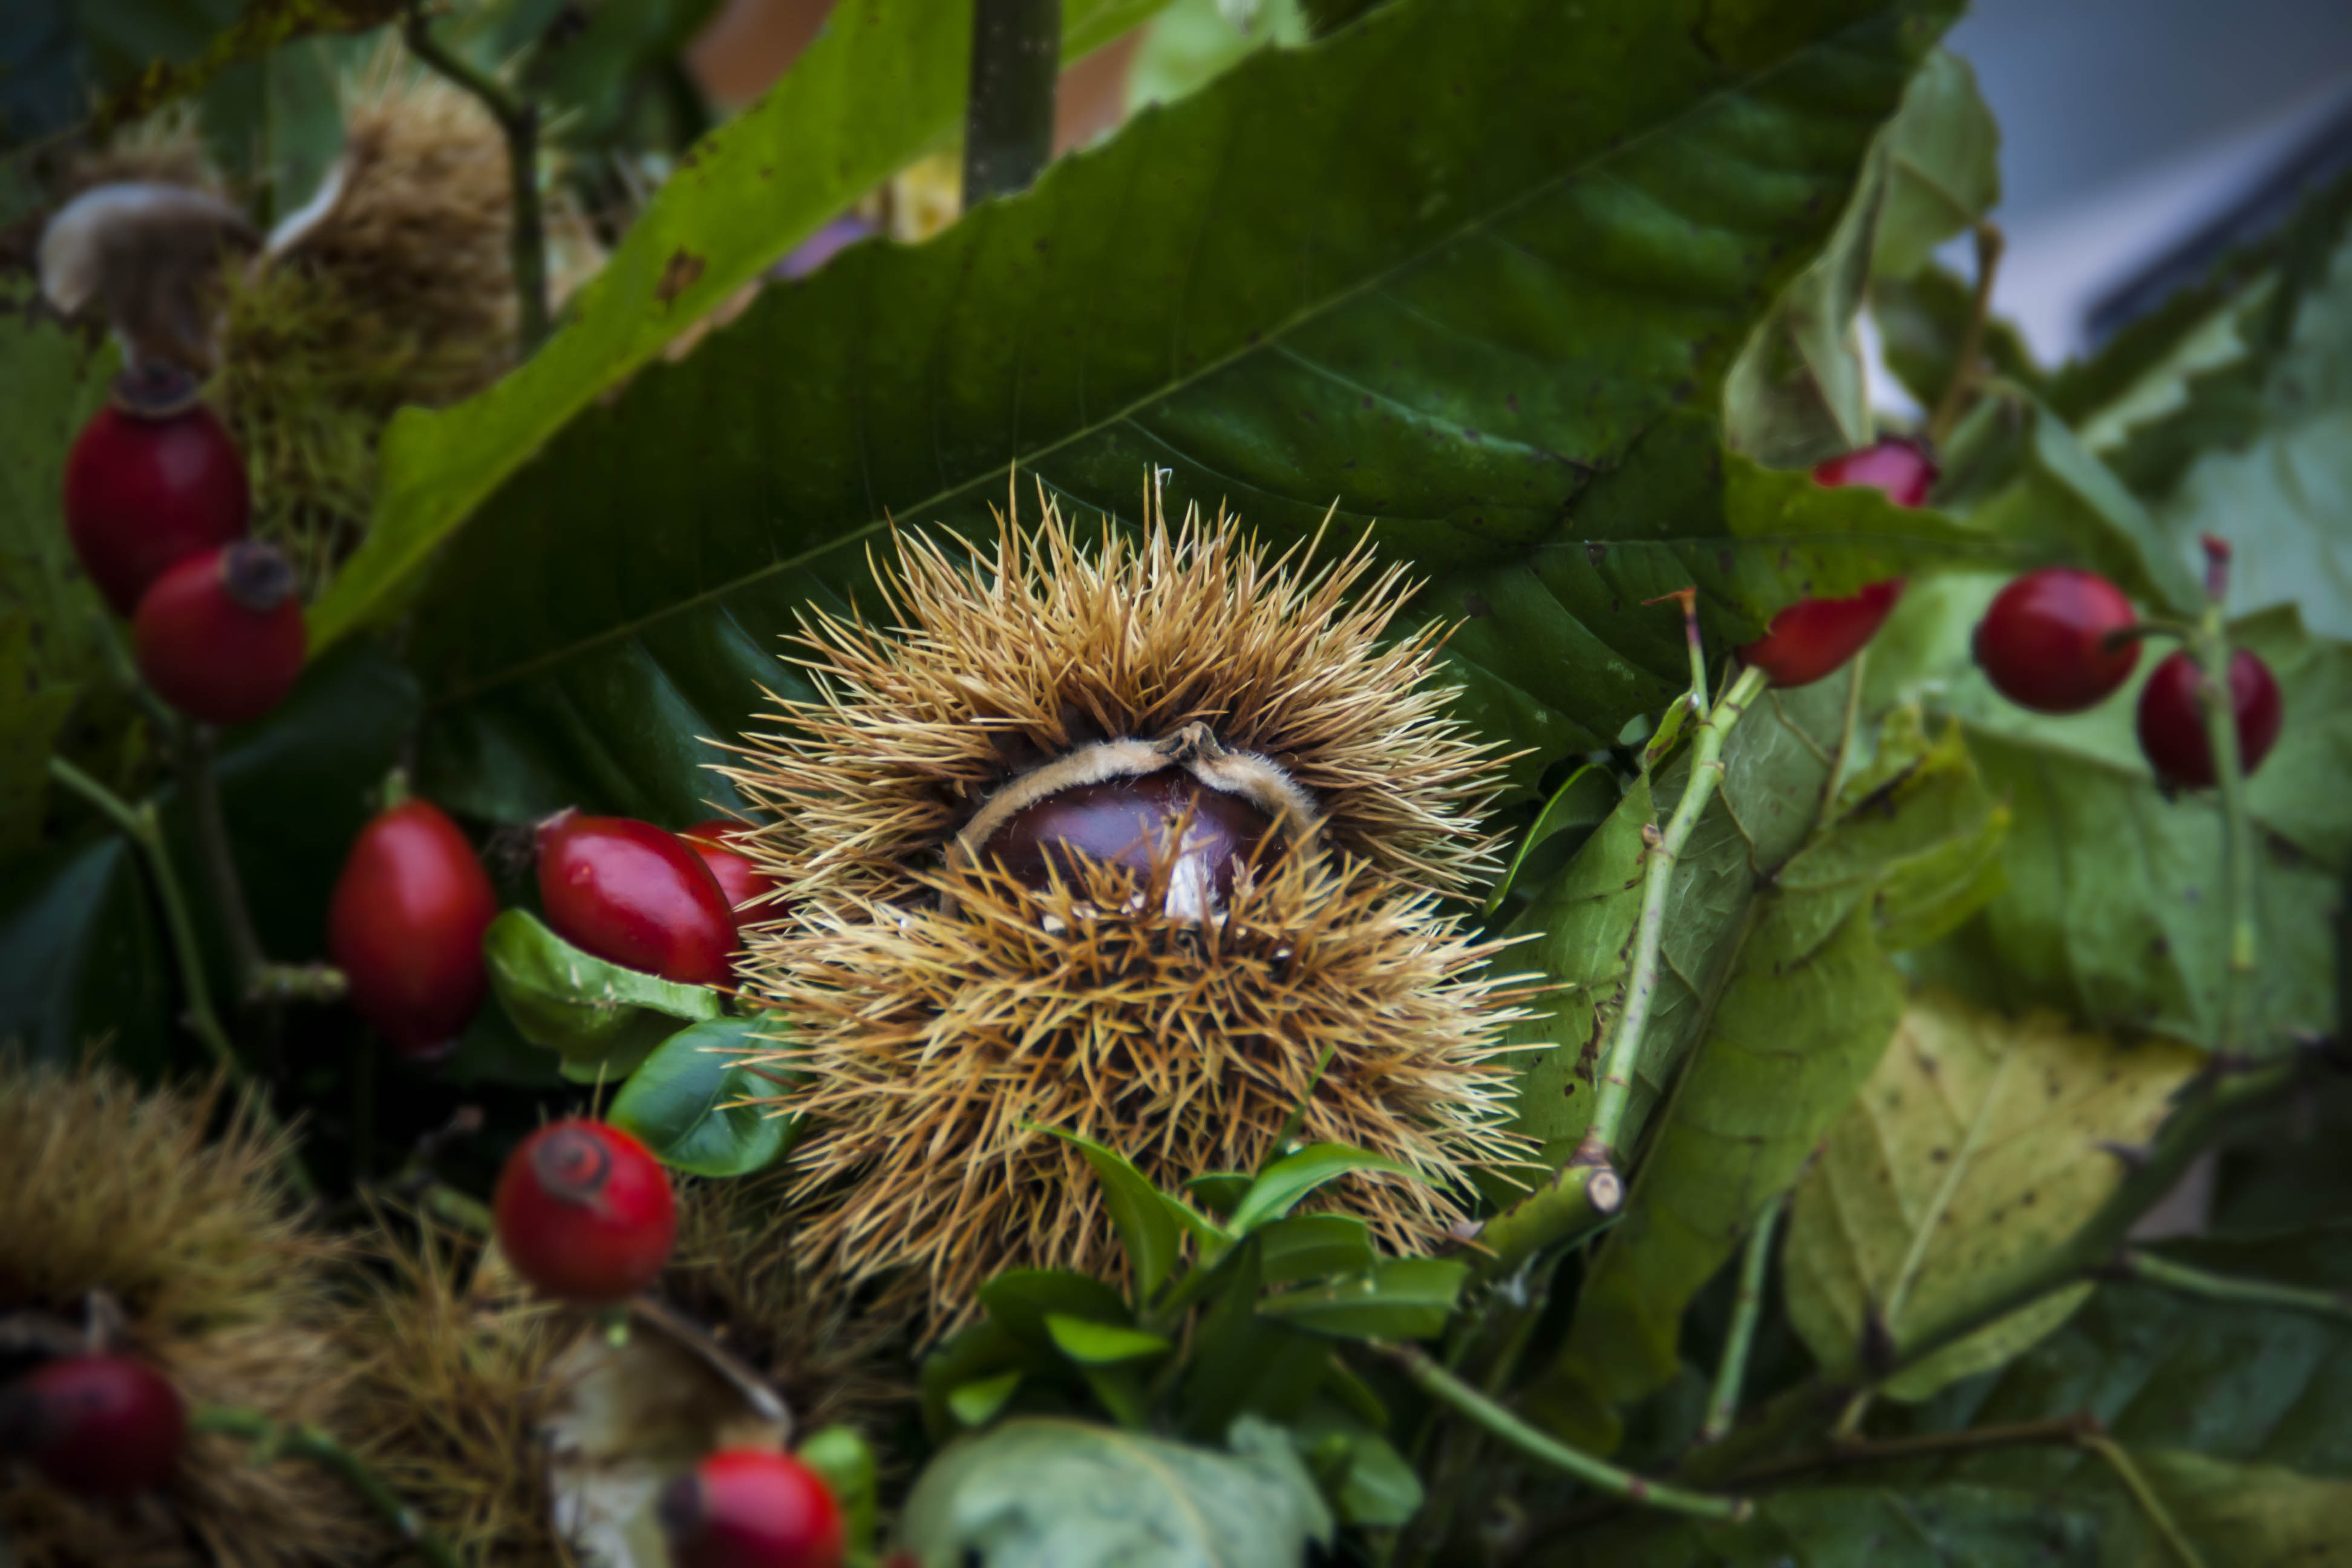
(2157, 1270)
(2062, 1429)
(219, 861)
(1990, 242)
(2144, 1495)
(517, 118)
(2241, 1023)
(1571, 1204)
(1747, 1308)
(1008, 134)
(308, 1442)
(1616, 1093)
(141, 824)
(1444, 1386)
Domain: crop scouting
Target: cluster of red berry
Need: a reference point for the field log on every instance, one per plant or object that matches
(156, 505)
(409, 910)
(2057, 640)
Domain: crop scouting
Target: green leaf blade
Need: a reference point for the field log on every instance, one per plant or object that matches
(685, 1102)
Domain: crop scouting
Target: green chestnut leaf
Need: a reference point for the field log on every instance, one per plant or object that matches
(685, 1102)
(597, 1016)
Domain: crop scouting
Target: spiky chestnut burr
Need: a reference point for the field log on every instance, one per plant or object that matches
(1120, 841)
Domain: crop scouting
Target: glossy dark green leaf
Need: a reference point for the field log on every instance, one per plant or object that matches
(845, 1460)
(1377, 1488)
(1220, 1192)
(1038, 1493)
(1093, 1344)
(1147, 1228)
(82, 960)
(1465, 272)
(594, 1014)
(884, 81)
(685, 1101)
(1561, 828)
(1399, 1299)
(978, 1403)
(1311, 1246)
(1283, 1185)
(1021, 1300)
(1241, 1361)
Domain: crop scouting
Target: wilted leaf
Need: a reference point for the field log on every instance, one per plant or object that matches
(1979, 1144)
(1040, 1493)
(597, 1016)
(2162, 1368)
(684, 1102)
(1481, 350)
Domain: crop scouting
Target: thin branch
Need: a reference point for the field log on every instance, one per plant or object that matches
(2242, 1023)
(2144, 1495)
(2154, 1268)
(213, 850)
(1616, 1090)
(1950, 407)
(140, 826)
(2056, 1431)
(1444, 1386)
(517, 118)
(1747, 1308)
(308, 1442)
(1008, 134)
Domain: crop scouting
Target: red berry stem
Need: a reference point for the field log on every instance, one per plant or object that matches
(197, 775)
(143, 828)
(2210, 645)
(1991, 243)
(305, 1441)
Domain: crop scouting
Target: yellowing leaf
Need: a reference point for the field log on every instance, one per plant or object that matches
(1978, 1143)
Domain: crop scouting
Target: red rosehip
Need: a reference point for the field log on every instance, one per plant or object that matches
(2172, 724)
(1814, 638)
(103, 1425)
(1125, 822)
(635, 896)
(219, 636)
(2043, 642)
(738, 878)
(1898, 467)
(746, 1508)
(152, 478)
(584, 1212)
(405, 927)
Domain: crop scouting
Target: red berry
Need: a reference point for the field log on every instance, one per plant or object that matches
(2172, 724)
(104, 1425)
(1894, 465)
(1125, 822)
(738, 878)
(2043, 642)
(405, 927)
(1813, 638)
(152, 478)
(584, 1212)
(219, 636)
(635, 896)
(745, 1508)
